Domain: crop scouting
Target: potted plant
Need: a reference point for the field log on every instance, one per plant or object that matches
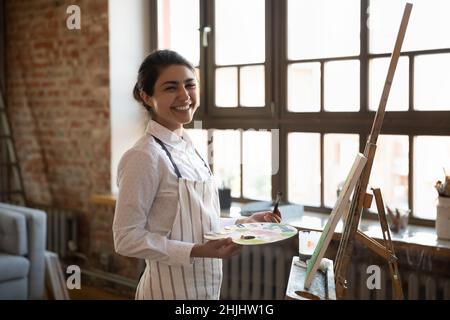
(225, 195)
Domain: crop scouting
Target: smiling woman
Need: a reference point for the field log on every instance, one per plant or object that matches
(175, 98)
(167, 87)
(167, 198)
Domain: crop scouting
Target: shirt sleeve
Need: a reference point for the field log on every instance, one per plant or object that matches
(138, 180)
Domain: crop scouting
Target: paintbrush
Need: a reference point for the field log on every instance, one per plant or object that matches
(277, 201)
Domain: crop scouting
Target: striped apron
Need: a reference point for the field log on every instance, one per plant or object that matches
(198, 213)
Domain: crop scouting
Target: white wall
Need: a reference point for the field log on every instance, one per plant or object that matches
(128, 45)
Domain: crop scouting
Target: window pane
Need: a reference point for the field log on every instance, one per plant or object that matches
(304, 168)
(398, 96)
(323, 28)
(432, 82)
(226, 87)
(199, 139)
(227, 160)
(431, 155)
(304, 87)
(390, 171)
(256, 165)
(339, 154)
(178, 25)
(342, 86)
(427, 28)
(252, 86)
(240, 31)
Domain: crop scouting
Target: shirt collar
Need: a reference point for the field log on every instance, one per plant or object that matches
(169, 138)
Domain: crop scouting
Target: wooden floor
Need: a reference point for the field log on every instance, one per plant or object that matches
(93, 293)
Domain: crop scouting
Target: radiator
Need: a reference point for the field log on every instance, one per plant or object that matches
(61, 231)
(262, 272)
(258, 273)
(416, 285)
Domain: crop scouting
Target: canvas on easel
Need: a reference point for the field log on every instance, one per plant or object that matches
(335, 216)
(361, 200)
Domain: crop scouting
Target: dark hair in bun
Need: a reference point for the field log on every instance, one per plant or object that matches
(151, 68)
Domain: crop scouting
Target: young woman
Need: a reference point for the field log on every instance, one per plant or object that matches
(167, 198)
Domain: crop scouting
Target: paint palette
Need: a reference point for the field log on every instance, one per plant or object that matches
(254, 233)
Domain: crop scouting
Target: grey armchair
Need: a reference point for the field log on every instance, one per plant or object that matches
(22, 252)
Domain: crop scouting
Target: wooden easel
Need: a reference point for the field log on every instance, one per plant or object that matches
(362, 199)
(387, 252)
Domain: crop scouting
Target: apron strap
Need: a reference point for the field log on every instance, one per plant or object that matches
(173, 163)
(169, 155)
(203, 161)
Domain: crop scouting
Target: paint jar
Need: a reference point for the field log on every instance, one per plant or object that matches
(225, 198)
(307, 242)
(443, 218)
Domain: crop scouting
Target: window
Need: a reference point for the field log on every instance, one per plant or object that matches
(432, 93)
(304, 165)
(342, 85)
(307, 30)
(390, 171)
(399, 95)
(238, 163)
(256, 165)
(315, 71)
(427, 18)
(431, 160)
(239, 54)
(227, 160)
(227, 87)
(236, 22)
(178, 27)
(304, 87)
(339, 153)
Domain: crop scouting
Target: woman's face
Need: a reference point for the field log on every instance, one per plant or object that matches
(175, 97)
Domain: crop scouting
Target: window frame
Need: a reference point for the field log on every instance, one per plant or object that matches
(275, 114)
(212, 110)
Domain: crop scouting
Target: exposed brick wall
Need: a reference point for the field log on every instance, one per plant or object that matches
(102, 246)
(58, 99)
(58, 102)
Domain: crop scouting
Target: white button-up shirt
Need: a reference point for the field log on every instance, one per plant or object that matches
(148, 196)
